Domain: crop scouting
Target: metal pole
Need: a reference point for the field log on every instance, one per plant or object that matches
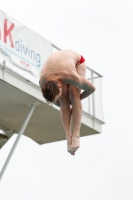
(89, 105)
(4, 69)
(18, 138)
(93, 99)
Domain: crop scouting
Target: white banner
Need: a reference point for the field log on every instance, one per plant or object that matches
(23, 47)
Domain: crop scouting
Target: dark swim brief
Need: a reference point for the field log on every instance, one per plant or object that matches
(81, 60)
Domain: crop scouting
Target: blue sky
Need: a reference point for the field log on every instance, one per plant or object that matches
(102, 31)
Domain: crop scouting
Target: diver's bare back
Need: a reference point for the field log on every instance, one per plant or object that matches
(60, 65)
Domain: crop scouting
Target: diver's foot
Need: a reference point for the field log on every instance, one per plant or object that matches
(75, 144)
(69, 143)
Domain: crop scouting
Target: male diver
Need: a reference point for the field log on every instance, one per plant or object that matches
(61, 81)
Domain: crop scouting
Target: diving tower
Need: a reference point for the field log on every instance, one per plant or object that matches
(19, 93)
(23, 110)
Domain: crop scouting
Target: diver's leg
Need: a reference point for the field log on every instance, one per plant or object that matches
(65, 112)
(76, 108)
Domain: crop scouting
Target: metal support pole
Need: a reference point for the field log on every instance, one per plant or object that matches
(18, 138)
(4, 69)
(93, 99)
(89, 105)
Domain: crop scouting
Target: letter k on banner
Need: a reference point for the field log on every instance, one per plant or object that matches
(7, 32)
